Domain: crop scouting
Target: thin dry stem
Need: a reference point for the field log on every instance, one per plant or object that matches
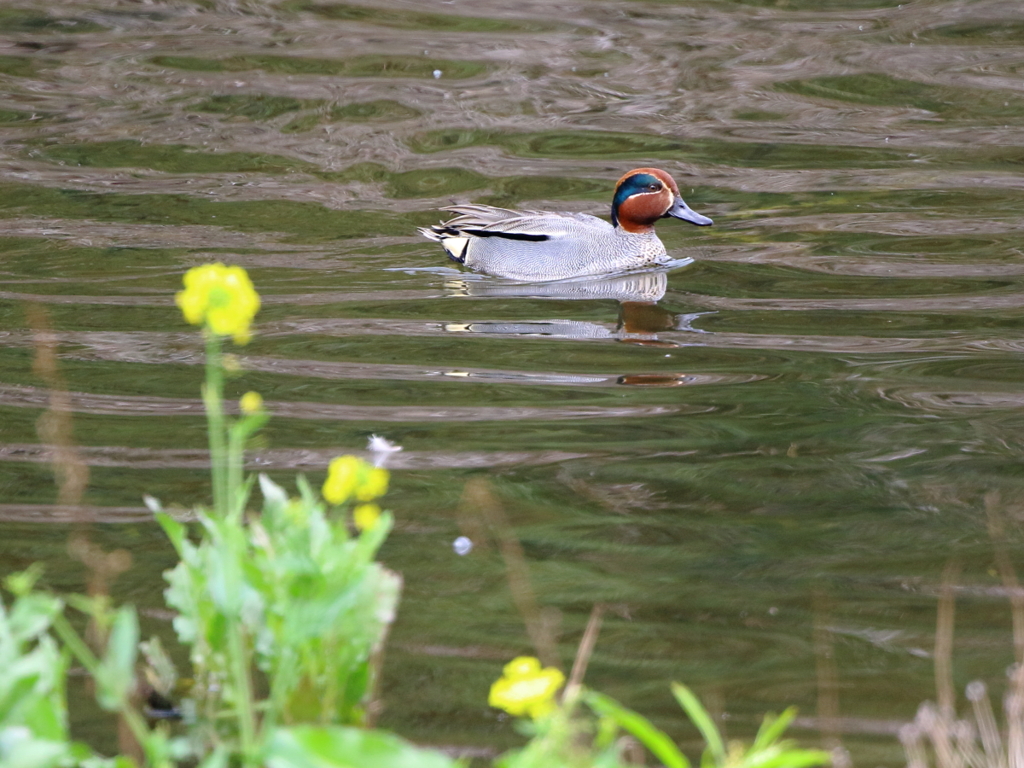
(1007, 573)
(932, 722)
(944, 624)
(585, 650)
(827, 674)
(1014, 707)
(988, 730)
(478, 493)
(55, 426)
(910, 736)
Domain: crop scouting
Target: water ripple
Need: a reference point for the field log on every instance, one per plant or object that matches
(285, 458)
(114, 405)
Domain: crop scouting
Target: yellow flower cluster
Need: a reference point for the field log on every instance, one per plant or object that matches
(365, 516)
(221, 298)
(349, 477)
(526, 689)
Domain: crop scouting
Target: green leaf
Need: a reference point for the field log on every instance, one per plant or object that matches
(309, 496)
(772, 728)
(162, 674)
(175, 531)
(87, 604)
(273, 494)
(216, 759)
(371, 540)
(661, 746)
(701, 719)
(245, 492)
(355, 686)
(248, 425)
(116, 673)
(47, 716)
(787, 758)
(31, 615)
(15, 695)
(30, 752)
(21, 583)
(342, 747)
(224, 579)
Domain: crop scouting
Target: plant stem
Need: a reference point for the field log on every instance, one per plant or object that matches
(235, 456)
(213, 401)
(239, 656)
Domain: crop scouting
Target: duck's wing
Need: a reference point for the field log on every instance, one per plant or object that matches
(485, 215)
(477, 222)
(487, 221)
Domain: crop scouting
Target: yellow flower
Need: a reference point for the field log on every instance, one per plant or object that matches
(350, 476)
(251, 402)
(374, 484)
(526, 689)
(220, 297)
(342, 478)
(365, 516)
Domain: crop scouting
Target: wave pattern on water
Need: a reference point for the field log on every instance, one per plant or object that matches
(795, 430)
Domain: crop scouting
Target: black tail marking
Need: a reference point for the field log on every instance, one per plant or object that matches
(506, 235)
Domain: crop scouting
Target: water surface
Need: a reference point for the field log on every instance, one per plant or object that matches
(760, 461)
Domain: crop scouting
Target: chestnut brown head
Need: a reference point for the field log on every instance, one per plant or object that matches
(645, 195)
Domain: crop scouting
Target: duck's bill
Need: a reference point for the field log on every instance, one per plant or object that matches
(681, 210)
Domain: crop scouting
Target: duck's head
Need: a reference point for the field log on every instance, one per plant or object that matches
(645, 195)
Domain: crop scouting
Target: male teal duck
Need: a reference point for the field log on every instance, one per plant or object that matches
(544, 245)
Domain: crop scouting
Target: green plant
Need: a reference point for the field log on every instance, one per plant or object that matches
(33, 710)
(291, 592)
(285, 612)
(562, 736)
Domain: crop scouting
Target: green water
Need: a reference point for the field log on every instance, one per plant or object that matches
(762, 474)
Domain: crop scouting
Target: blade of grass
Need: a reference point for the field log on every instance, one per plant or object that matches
(772, 728)
(644, 730)
(701, 719)
(787, 758)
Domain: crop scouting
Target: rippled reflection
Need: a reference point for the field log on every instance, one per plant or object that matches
(760, 462)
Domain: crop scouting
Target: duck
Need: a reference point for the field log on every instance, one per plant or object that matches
(538, 246)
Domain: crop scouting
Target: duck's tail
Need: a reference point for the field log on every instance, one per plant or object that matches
(450, 238)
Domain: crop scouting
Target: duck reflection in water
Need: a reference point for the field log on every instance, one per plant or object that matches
(640, 319)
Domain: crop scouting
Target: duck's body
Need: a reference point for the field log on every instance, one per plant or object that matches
(542, 245)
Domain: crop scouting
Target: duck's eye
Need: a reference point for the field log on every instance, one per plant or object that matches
(654, 187)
